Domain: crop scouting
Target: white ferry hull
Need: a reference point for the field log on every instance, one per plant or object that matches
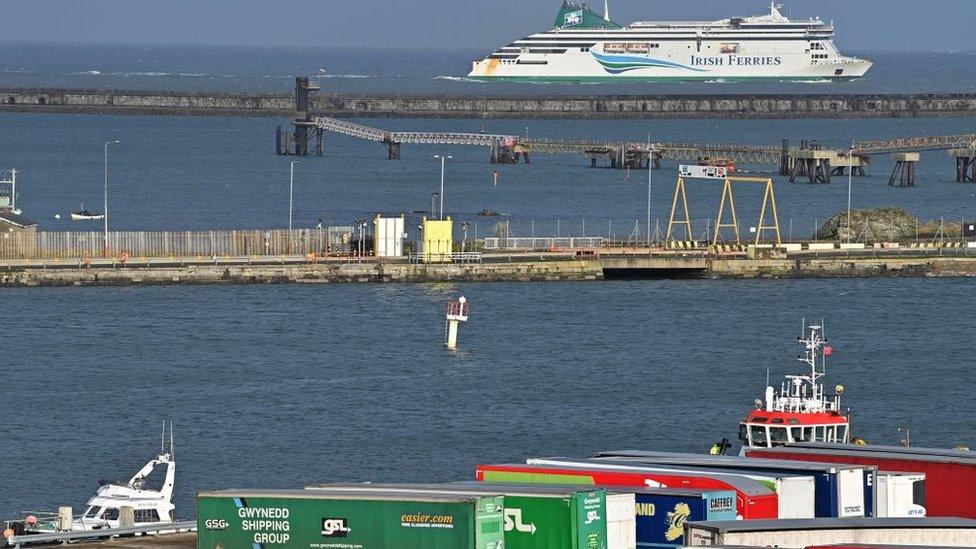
(586, 47)
(593, 66)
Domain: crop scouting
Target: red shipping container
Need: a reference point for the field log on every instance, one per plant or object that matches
(754, 500)
(950, 481)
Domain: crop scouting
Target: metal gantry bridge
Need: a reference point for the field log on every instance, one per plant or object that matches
(677, 151)
(916, 144)
(622, 151)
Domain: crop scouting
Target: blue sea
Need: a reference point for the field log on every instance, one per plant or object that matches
(273, 386)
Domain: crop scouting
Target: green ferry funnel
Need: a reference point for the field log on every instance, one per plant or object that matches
(576, 15)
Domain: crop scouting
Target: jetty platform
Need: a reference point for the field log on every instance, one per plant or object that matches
(589, 265)
(356, 105)
(169, 541)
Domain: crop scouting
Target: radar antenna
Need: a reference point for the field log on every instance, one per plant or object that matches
(606, 10)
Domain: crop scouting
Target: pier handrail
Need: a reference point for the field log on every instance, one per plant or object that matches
(65, 537)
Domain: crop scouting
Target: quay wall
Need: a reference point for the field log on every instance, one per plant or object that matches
(37, 274)
(783, 106)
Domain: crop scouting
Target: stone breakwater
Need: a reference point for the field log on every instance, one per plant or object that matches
(516, 271)
(781, 106)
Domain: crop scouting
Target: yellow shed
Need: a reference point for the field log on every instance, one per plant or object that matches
(438, 240)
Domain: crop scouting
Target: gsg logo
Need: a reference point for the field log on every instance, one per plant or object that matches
(335, 528)
(216, 524)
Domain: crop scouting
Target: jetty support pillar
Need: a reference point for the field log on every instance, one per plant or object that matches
(965, 165)
(813, 164)
(903, 175)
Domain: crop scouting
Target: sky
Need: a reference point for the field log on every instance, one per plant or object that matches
(864, 25)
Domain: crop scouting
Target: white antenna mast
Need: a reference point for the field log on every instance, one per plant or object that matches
(606, 10)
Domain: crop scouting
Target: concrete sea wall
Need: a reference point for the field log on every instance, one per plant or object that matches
(516, 271)
(411, 106)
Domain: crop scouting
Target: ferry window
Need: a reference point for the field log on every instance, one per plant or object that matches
(91, 512)
(842, 433)
(819, 433)
(743, 433)
(111, 513)
(758, 435)
(807, 434)
(778, 436)
(146, 515)
(729, 48)
(830, 435)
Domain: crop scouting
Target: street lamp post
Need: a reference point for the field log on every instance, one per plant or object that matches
(105, 202)
(443, 159)
(650, 167)
(850, 178)
(291, 192)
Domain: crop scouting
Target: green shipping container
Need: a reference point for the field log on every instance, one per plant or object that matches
(305, 519)
(536, 517)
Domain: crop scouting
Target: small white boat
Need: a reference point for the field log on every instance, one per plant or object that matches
(151, 505)
(84, 215)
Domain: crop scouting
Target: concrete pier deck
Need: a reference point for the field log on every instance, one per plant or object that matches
(537, 267)
(781, 106)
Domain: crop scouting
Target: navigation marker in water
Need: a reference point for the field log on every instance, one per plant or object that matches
(457, 311)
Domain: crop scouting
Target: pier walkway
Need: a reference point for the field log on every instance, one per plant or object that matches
(634, 154)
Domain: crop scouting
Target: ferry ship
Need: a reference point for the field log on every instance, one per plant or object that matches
(801, 411)
(586, 46)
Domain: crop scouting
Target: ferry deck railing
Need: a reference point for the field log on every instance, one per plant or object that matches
(107, 533)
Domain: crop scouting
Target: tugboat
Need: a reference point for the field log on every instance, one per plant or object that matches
(801, 411)
(150, 506)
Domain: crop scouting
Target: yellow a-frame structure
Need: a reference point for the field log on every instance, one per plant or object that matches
(769, 202)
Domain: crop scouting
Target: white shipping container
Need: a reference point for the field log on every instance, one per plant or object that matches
(621, 521)
(797, 534)
(388, 236)
(900, 495)
(797, 497)
(850, 493)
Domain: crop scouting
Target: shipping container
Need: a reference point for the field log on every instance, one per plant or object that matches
(798, 534)
(661, 513)
(900, 494)
(754, 499)
(876, 546)
(795, 493)
(949, 475)
(621, 520)
(285, 519)
(841, 490)
(536, 517)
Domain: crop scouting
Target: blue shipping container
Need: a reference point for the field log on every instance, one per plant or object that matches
(661, 514)
(834, 497)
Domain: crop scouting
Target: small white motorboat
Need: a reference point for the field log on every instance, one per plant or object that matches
(85, 215)
(151, 505)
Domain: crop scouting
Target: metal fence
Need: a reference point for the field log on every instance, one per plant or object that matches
(170, 244)
(548, 243)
